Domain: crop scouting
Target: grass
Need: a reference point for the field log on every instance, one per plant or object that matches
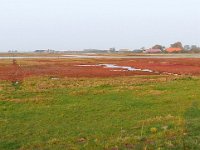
(144, 112)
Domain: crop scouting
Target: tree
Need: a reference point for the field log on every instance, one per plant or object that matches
(177, 45)
(195, 50)
(158, 47)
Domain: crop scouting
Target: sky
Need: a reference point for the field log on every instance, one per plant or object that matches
(27, 25)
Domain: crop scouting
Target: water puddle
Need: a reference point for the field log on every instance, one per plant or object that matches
(117, 68)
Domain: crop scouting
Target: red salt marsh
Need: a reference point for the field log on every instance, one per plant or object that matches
(91, 67)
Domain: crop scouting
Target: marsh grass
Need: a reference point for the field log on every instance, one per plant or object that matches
(145, 112)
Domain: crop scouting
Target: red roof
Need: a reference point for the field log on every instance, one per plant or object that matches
(171, 49)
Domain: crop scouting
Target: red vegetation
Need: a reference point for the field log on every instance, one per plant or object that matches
(61, 68)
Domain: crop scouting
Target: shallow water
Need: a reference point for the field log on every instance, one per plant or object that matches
(113, 66)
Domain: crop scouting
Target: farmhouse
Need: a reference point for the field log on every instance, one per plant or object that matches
(152, 51)
(171, 50)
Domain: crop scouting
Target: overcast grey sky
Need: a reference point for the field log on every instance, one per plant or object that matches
(79, 24)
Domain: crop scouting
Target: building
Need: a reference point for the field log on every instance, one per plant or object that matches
(45, 51)
(138, 51)
(194, 47)
(124, 50)
(187, 47)
(173, 49)
(152, 51)
(40, 51)
(95, 51)
(112, 50)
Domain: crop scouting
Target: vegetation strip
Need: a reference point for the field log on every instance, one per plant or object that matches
(152, 112)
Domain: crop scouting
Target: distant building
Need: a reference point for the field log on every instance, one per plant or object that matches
(152, 51)
(172, 50)
(45, 51)
(187, 47)
(40, 51)
(95, 51)
(124, 50)
(112, 50)
(194, 47)
(12, 51)
(50, 51)
(138, 51)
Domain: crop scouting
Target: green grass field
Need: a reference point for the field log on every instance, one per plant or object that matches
(141, 112)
